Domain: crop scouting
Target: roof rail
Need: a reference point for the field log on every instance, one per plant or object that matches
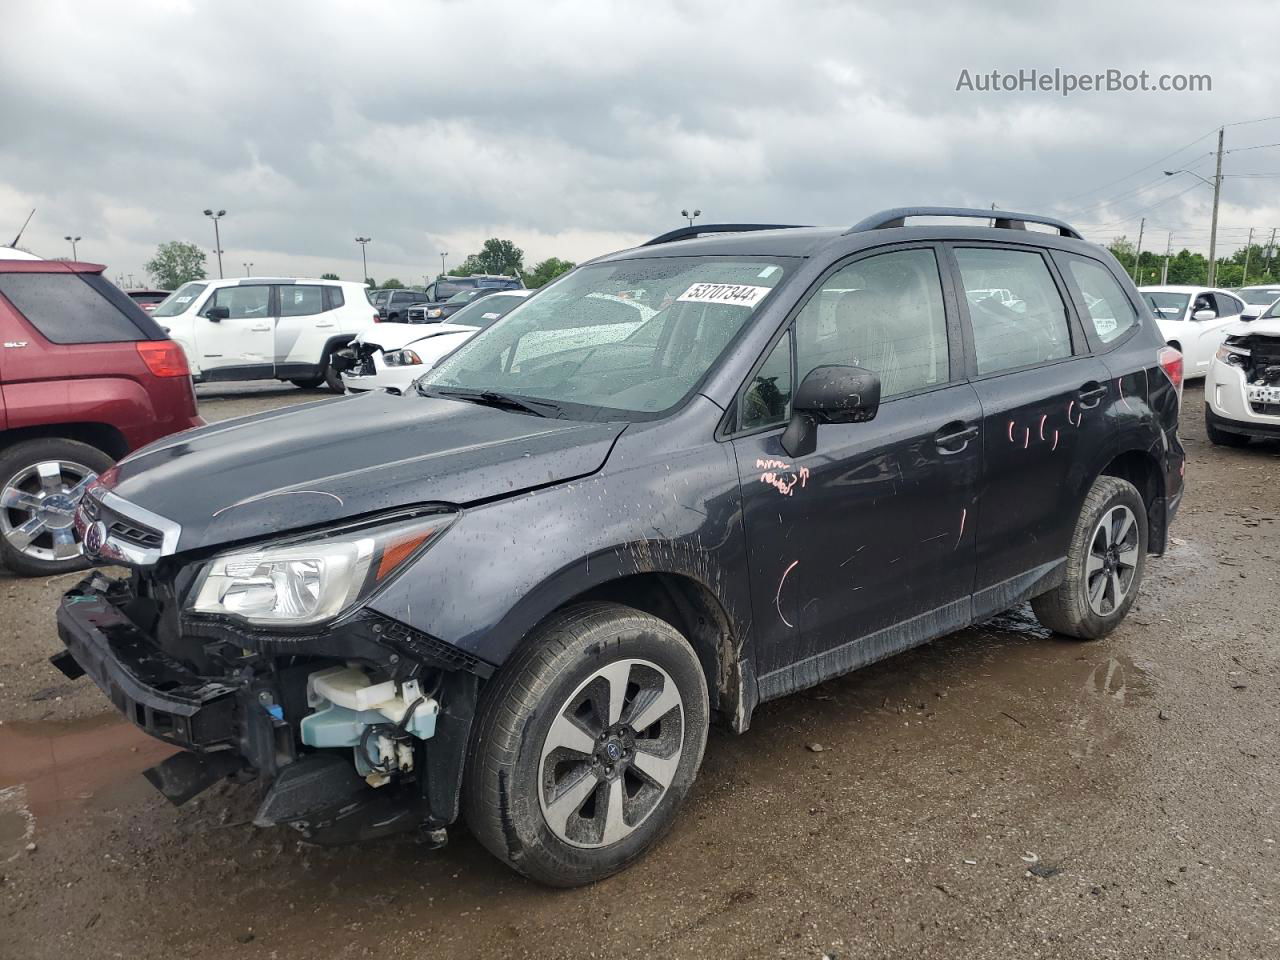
(687, 233)
(1004, 219)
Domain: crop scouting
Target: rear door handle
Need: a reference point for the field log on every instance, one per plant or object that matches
(1091, 394)
(954, 437)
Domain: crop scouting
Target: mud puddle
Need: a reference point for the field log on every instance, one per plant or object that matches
(49, 770)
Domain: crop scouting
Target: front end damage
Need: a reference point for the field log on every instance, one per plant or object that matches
(1244, 388)
(357, 731)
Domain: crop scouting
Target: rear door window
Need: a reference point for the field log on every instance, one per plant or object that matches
(301, 300)
(1227, 306)
(1019, 318)
(76, 308)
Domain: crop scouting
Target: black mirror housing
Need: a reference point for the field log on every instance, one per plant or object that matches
(217, 313)
(831, 394)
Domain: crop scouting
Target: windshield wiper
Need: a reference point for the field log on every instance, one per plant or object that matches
(503, 401)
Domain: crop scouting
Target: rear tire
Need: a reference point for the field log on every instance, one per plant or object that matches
(1221, 438)
(559, 785)
(310, 383)
(40, 484)
(1105, 562)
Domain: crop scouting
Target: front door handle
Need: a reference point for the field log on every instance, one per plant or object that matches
(1091, 394)
(260, 329)
(954, 437)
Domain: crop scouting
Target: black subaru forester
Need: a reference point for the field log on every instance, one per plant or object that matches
(681, 480)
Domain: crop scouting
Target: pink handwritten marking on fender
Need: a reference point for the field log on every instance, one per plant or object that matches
(1070, 407)
(1055, 442)
(1011, 431)
(1043, 418)
(769, 464)
(964, 515)
(785, 485)
(1026, 438)
(777, 597)
(1120, 385)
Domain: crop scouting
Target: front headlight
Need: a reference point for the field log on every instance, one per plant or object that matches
(308, 581)
(1235, 356)
(435, 312)
(401, 358)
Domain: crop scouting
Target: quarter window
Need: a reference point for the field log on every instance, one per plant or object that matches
(301, 300)
(766, 401)
(884, 314)
(1018, 316)
(1109, 309)
(1227, 306)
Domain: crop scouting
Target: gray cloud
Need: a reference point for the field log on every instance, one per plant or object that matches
(575, 128)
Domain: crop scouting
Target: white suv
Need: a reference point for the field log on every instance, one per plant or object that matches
(1194, 320)
(259, 328)
(1242, 388)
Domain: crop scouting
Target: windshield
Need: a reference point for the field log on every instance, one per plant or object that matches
(1260, 298)
(1170, 306)
(180, 300)
(466, 296)
(482, 315)
(1274, 311)
(624, 340)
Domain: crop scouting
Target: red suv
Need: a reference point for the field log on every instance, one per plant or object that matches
(85, 377)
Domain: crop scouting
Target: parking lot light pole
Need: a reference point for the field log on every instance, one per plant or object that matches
(248, 269)
(217, 237)
(364, 261)
(442, 256)
(691, 216)
(73, 241)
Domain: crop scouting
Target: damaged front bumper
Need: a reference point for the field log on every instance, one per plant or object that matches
(350, 748)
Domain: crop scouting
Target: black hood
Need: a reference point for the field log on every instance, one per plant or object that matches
(350, 456)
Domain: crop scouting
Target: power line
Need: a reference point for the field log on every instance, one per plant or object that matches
(1144, 168)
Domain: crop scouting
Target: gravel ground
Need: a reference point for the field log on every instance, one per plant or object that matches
(996, 793)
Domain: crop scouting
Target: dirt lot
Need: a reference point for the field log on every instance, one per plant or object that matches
(996, 793)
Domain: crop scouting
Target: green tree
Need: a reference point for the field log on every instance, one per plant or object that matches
(497, 256)
(546, 271)
(176, 263)
(329, 276)
(392, 284)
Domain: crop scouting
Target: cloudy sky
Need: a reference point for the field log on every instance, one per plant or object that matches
(575, 128)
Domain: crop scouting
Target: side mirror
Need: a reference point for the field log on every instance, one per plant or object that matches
(1203, 315)
(217, 313)
(834, 394)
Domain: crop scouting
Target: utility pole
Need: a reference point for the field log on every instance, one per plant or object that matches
(1270, 244)
(1248, 247)
(217, 237)
(364, 262)
(1137, 257)
(1168, 250)
(442, 256)
(1213, 227)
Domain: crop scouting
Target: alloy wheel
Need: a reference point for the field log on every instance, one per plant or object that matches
(1112, 562)
(611, 753)
(37, 509)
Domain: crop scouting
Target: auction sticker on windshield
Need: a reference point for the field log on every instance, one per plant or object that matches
(741, 294)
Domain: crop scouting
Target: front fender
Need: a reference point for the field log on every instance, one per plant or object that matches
(505, 565)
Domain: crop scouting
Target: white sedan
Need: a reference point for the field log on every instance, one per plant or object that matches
(390, 356)
(1194, 320)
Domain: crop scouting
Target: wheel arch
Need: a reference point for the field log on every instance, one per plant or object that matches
(698, 614)
(1141, 469)
(101, 436)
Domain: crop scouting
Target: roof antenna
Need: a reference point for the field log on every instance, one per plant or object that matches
(24, 227)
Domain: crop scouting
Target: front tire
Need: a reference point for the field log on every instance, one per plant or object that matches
(585, 745)
(1105, 562)
(41, 482)
(1221, 438)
